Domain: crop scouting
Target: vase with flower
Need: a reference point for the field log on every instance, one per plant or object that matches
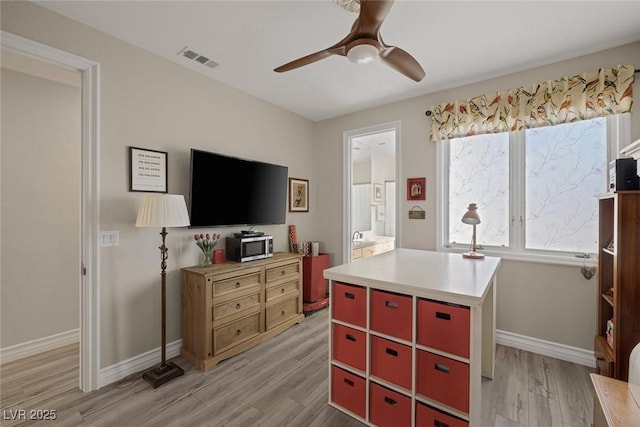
(206, 243)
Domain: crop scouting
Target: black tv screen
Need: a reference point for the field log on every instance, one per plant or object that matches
(226, 190)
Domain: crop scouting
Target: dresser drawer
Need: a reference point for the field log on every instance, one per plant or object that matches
(427, 416)
(281, 312)
(235, 308)
(391, 361)
(391, 314)
(234, 333)
(349, 391)
(349, 304)
(283, 290)
(444, 327)
(285, 272)
(350, 346)
(388, 408)
(236, 286)
(443, 379)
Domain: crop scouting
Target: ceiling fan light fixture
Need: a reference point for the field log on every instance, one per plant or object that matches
(362, 52)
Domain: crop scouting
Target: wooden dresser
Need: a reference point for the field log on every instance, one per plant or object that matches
(231, 307)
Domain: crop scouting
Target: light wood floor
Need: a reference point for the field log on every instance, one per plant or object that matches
(282, 382)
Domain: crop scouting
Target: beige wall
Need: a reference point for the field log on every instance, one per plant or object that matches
(147, 101)
(40, 201)
(548, 302)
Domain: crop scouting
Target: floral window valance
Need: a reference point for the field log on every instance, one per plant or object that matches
(586, 96)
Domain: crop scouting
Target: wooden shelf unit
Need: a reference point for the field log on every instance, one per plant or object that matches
(618, 269)
(231, 307)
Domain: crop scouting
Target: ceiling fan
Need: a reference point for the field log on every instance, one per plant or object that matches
(364, 43)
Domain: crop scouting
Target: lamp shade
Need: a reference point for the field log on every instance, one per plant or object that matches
(471, 215)
(162, 210)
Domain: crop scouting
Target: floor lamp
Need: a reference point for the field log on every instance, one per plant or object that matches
(163, 210)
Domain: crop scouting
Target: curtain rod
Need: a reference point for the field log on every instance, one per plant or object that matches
(428, 112)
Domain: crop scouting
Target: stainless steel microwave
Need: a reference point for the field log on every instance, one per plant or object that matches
(244, 248)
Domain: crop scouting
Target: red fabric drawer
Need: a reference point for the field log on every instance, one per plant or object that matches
(349, 304)
(442, 379)
(388, 408)
(348, 391)
(427, 416)
(444, 327)
(350, 346)
(391, 361)
(391, 314)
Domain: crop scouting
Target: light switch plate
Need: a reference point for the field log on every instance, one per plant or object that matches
(109, 238)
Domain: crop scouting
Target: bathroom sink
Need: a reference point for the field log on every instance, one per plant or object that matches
(360, 240)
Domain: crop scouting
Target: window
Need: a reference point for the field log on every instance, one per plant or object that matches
(534, 189)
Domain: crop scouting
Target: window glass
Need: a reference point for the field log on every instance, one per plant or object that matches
(479, 173)
(565, 166)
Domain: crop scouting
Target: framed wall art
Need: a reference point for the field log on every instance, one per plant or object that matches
(147, 170)
(378, 192)
(298, 195)
(416, 189)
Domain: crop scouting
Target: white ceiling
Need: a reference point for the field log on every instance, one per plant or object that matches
(456, 42)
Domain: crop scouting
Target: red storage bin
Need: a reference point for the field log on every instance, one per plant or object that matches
(349, 304)
(391, 361)
(444, 327)
(427, 416)
(443, 379)
(350, 346)
(349, 391)
(388, 408)
(391, 314)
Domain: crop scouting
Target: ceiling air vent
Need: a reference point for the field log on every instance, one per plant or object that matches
(195, 56)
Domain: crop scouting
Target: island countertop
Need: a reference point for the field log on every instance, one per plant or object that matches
(439, 275)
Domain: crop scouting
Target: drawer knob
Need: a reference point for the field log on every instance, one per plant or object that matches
(442, 368)
(350, 337)
(283, 272)
(237, 284)
(392, 352)
(391, 304)
(348, 382)
(238, 306)
(282, 313)
(349, 295)
(390, 401)
(282, 291)
(437, 423)
(444, 316)
(238, 332)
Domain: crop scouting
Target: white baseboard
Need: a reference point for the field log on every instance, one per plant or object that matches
(29, 348)
(547, 348)
(138, 363)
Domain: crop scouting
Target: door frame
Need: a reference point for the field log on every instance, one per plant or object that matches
(89, 267)
(348, 181)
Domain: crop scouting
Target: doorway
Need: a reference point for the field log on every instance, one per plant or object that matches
(371, 171)
(88, 267)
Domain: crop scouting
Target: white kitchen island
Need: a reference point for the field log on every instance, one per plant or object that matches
(411, 334)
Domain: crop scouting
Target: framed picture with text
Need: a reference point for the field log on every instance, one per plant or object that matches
(147, 170)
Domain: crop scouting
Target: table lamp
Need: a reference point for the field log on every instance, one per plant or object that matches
(163, 210)
(472, 217)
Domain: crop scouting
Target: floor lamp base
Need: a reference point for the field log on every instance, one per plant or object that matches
(162, 374)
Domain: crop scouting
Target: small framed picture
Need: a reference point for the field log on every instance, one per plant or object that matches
(298, 195)
(378, 192)
(147, 170)
(416, 189)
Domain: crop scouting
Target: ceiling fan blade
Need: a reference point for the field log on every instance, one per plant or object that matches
(372, 14)
(306, 60)
(402, 62)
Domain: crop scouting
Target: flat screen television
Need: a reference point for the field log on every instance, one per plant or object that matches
(226, 190)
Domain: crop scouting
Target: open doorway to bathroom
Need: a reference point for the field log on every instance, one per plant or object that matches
(371, 173)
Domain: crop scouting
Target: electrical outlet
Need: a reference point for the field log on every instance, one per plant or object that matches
(109, 238)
